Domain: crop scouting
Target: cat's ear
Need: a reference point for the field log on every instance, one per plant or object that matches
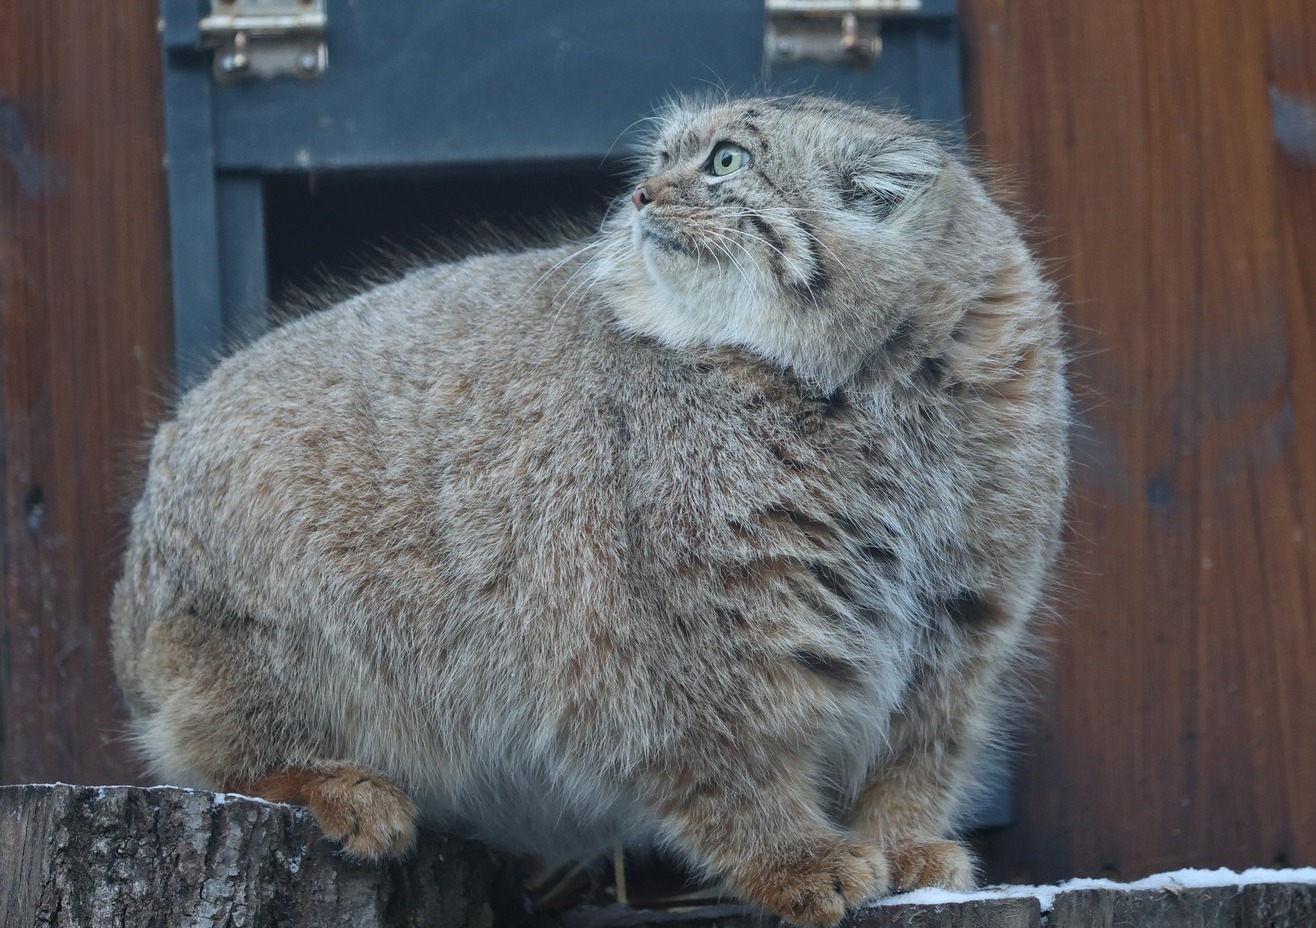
(885, 177)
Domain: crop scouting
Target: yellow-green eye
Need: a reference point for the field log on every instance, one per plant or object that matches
(728, 158)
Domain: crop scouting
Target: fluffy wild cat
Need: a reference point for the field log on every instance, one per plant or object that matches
(722, 532)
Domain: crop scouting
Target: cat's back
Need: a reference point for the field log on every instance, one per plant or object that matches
(397, 338)
(359, 414)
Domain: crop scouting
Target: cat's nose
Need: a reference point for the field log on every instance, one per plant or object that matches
(642, 196)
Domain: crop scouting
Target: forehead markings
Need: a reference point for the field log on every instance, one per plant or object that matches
(752, 129)
(690, 140)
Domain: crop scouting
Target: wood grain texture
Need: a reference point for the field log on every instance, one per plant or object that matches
(84, 340)
(1275, 905)
(1178, 727)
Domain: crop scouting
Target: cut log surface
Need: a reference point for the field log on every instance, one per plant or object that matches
(1260, 905)
(124, 857)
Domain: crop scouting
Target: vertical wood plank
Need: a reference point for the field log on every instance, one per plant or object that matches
(84, 345)
(1179, 726)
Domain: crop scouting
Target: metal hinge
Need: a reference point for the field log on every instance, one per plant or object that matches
(266, 38)
(829, 31)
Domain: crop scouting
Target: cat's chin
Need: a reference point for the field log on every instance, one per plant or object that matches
(669, 260)
(687, 300)
(717, 317)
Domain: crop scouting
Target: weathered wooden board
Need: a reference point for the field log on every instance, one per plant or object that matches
(85, 347)
(1167, 150)
(1274, 905)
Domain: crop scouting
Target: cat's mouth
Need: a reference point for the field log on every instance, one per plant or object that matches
(661, 238)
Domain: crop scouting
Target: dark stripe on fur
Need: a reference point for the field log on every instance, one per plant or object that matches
(971, 609)
(785, 457)
(931, 372)
(834, 669)
(819, 277)
(832, 581)
(879, 554)
(756, 132)
(812, 528)
(774, 240)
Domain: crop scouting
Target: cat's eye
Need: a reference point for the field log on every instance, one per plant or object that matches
(727, 158)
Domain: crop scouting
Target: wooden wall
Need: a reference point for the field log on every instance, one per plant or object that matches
(84, 338)
(1167, 151)
(1179, 726)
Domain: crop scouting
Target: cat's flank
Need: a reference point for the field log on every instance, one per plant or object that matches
(721, 532)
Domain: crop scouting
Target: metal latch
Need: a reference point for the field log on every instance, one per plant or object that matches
(829, 31)
(266, 38)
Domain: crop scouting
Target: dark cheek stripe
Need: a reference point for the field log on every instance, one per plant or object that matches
(879, 554)
(819, 277)
(765, 229)
(776, 259)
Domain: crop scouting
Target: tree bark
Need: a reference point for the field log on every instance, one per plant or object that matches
(124, 857)
(85, 857)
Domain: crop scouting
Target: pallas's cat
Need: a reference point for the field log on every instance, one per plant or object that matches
(720, 531)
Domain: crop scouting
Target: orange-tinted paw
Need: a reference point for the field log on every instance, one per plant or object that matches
(370, 815)
(816, 887)
(930, 863)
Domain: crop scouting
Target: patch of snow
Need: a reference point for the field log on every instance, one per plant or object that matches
(1046, 895)
(221, 798)
(218, 799)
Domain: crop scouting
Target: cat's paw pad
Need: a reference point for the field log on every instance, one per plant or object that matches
(915, 864)
(370, 815)
(818, 886)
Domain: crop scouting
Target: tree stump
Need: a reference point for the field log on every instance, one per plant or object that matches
(123, 857)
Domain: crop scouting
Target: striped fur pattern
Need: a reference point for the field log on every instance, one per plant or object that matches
(721, 531)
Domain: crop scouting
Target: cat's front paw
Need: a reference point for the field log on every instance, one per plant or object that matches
(915, 864)
(816, 886)
(370, 815)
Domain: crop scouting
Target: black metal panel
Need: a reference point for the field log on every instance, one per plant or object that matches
(193, 223)
(423, 84)
(243, 278)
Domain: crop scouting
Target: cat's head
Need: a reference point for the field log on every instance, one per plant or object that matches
(806, 230)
